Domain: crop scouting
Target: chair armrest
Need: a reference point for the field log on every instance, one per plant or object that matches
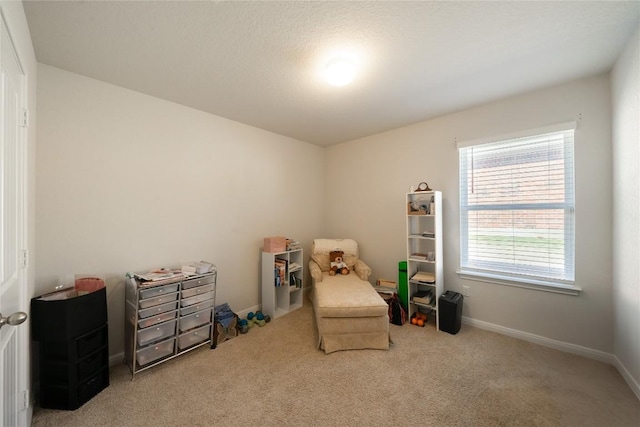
(362, 270)
(314, 269)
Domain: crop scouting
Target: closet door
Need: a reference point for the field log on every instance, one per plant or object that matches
(13, 348)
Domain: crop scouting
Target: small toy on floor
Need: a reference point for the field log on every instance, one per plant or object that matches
(225, 324)
(259, 319)
(419, 319)
(243, 326)
(255, 319)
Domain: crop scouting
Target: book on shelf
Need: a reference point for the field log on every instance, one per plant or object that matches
(385, 287)
(293, 245)
(424, 276)
(280, 268)
(276, 277)
(418, 256)
(423, 297)
(201, 267)
(295, 281)
(294, 266)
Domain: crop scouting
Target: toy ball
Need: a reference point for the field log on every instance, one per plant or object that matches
(260, 316)
(250, 315)
(242, 322)
(267, 318)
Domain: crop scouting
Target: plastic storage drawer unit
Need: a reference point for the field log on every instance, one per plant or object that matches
(197, 307)
(156, 333)
(73, 349)
(152, 302)
(194, 337)
(167, 318)
(200, 290)
(158, 290)
(194, 320)
(157, 309)
(187, 284)
(195, 300)
(155, 352)
(162, 317)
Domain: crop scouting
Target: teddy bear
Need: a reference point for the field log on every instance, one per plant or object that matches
(338, 265)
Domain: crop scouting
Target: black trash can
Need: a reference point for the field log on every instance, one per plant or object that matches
(450, 312)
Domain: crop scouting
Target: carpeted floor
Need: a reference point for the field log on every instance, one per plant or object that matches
(274, 376)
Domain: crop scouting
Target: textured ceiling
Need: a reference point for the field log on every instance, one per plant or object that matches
(259, 62)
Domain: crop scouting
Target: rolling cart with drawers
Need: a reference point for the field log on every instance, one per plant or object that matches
(167, 318)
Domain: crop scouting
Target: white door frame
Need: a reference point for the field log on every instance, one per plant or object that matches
(21, 395)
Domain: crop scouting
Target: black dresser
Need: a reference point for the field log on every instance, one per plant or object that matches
(73, 351)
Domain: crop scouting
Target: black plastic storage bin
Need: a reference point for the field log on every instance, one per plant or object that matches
(450, 312)
(73, 356)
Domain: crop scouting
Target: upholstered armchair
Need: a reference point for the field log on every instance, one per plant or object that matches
(349, 313)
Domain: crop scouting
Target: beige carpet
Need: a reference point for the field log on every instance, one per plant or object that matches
(274, 376)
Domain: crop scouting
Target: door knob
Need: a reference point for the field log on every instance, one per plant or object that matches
(13, 319)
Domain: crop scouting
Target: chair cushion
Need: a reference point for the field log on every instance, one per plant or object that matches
(348, 296)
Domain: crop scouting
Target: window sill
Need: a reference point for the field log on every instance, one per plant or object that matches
(537, 285)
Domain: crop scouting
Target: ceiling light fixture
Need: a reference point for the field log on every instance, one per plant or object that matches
(340, 72)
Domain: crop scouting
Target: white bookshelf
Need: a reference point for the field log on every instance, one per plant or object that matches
(424, 249)
(283, 296)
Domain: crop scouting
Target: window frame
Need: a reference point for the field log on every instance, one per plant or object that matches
(512, 278)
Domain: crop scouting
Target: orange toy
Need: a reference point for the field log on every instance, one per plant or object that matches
(418, 319)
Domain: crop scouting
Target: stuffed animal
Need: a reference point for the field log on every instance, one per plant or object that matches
(338, 265)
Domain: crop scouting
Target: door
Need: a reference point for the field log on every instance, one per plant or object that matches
(13, 338)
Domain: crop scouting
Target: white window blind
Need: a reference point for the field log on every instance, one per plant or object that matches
(517, 208)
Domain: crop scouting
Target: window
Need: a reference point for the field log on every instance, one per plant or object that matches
(517, 210)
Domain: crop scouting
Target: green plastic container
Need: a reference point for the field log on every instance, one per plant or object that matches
(403, 284)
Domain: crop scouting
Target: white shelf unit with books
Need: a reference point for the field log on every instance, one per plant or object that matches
(282, 282)
(424, 253)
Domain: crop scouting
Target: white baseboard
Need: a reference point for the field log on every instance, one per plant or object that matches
(633, 384)
(537, 339)
(590, 353)
(243, 313)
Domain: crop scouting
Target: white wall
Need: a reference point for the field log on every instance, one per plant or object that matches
(366, 181)
(128, 182)
(626, 211)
